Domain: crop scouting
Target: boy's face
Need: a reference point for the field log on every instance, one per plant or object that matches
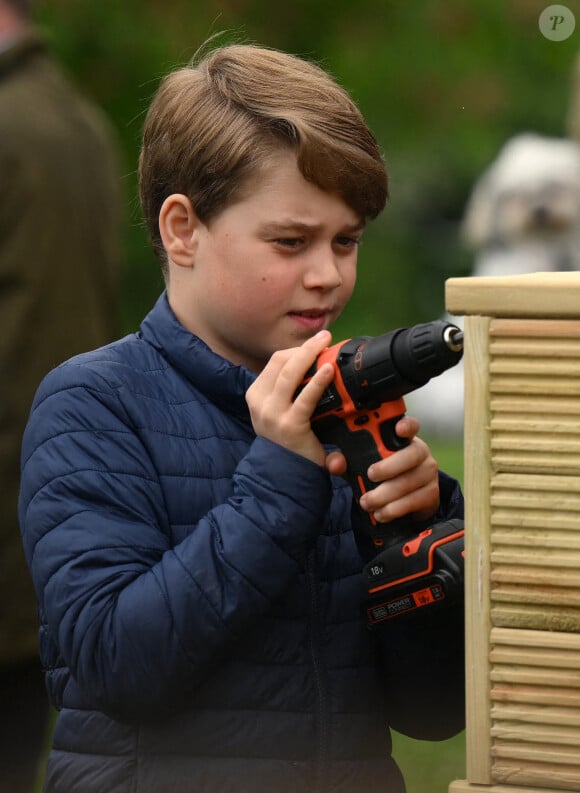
(270, 270)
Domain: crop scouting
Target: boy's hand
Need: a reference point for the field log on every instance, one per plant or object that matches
(275, 414)
(408, 480)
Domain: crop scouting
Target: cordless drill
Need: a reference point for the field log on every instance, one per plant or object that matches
(358, 413)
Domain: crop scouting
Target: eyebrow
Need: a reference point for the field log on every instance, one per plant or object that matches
(277, 228)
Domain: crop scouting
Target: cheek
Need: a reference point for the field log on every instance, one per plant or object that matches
(273, 283)
(266, 294)
(249, 297)
(349, 281)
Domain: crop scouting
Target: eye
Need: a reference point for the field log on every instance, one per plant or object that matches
(347, 242)
(290, 243)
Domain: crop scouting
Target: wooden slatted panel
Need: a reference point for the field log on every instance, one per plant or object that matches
(535, 396)
(535, 481)
(535, 553)
(523, 527)
(535, 708)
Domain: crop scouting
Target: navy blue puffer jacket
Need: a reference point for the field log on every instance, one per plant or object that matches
(200, 593)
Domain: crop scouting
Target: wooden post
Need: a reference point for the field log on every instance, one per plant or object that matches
(522, 491)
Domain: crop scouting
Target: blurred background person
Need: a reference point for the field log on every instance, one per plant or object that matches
(60, 252)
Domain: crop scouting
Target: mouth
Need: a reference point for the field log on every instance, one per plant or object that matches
(314, 319)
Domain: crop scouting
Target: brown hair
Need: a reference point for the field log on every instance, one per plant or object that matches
(215, 123)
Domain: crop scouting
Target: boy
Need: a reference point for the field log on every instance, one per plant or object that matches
(198, 578)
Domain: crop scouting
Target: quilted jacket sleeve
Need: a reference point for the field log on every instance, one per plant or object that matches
(137, 621)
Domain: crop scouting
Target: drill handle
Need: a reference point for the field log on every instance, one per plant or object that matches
(382, 534)
(364, 438)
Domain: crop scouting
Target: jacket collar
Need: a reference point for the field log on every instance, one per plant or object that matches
(221, 381)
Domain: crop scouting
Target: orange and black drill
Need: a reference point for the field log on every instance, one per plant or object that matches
(358, 413)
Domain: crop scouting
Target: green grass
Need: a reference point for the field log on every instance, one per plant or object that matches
(449, 455)
(429, 767)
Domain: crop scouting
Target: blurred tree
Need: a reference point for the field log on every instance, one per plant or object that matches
(443, 84)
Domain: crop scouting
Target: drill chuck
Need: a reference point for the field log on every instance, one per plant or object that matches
(453, 338)
(425, 351)
(384, 368)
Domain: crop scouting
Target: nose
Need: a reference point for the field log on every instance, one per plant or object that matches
(322, 269)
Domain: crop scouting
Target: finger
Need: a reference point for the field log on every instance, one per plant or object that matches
(308, 398)
(285, 371)
(289, 365)
(420, 504)
(407, 427)
(267, 378)
(336, 463)
(400, 487)
(299, 362)
(406, 459)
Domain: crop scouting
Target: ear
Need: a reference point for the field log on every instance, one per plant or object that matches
(178, 224)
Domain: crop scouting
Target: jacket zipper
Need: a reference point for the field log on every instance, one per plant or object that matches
(318, 668)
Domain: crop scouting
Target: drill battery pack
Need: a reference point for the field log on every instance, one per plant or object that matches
(422, 572)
